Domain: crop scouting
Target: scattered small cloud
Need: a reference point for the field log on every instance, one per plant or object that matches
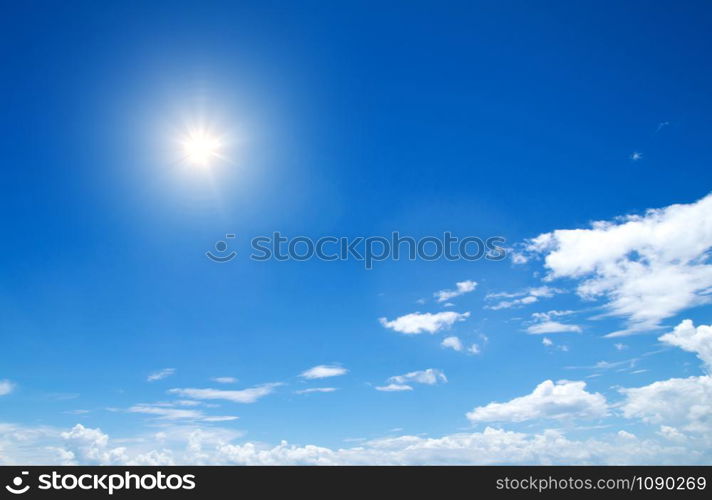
(636, 156)
(453, 343)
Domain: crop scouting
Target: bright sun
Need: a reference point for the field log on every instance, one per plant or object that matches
(201, 148)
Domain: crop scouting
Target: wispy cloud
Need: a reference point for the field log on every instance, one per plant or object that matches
(240, 396)
(161, 374)
(167, 411)
(316, 389)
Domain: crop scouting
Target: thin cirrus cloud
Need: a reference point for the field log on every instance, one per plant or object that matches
(247, 396)
(646, 268)
(323, 371)
(430, 376)
(161, 374)
(461, 288)
(415, 323)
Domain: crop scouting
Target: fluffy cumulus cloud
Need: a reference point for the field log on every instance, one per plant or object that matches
(647, 267)
(323, 371)
(691, 339)
(431, 376)
(560, 400)
(415, 323)
(461, 288)
(249, 395)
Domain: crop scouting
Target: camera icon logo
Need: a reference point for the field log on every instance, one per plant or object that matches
(221, 248)
(16, 487)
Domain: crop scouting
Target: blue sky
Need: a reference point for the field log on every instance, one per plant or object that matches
(479, 118)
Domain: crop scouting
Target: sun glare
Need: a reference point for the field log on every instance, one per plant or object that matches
(201, 148)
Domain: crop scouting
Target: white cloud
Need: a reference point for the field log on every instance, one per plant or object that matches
(161, 374)
(522, 298)
(316, 389)
(685, 403)
(431, 376)
(620, 346)
(691, 339)
(394, 388)
(224, 380)
(547, 342)
(6, 387)
(416, 322)
(647, 268)
(474, 349)
(452, 343)
(323, 371)
(190, 445)
(461, 288)
(563, 399)
(241, 396)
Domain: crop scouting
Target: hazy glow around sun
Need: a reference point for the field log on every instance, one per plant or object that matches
(201, 148)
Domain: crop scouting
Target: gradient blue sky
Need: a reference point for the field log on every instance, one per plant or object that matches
(480, 118)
